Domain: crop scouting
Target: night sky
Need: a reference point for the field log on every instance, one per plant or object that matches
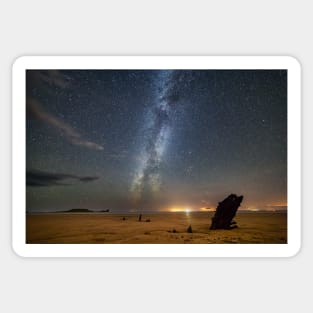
(135, 140)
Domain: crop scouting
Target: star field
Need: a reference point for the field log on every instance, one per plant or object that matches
(153, 139)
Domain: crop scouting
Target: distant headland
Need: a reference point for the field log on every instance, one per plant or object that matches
(82, 210)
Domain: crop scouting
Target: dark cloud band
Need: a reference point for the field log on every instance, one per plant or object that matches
(36, 178)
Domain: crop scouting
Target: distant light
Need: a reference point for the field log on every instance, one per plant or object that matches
(180, 209)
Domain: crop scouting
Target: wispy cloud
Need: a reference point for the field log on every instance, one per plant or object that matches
(74, 137)
(54, 77)
(48, 78)
(36, 178)
(87, 179)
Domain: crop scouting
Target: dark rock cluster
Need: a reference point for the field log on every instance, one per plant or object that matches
(225, 212)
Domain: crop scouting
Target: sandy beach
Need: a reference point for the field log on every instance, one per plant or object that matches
(162, 228)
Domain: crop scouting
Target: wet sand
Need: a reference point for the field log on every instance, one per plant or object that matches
(162, 229)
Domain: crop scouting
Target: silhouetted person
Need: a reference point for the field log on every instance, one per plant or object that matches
(139, 219)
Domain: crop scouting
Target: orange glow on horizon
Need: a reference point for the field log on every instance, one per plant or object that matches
(253, 207)
(180, 209)
(206, 209)
(188, 209)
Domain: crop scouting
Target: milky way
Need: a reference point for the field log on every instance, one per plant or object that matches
(157, 132)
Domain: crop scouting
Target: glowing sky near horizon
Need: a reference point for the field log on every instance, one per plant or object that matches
(155, 139)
